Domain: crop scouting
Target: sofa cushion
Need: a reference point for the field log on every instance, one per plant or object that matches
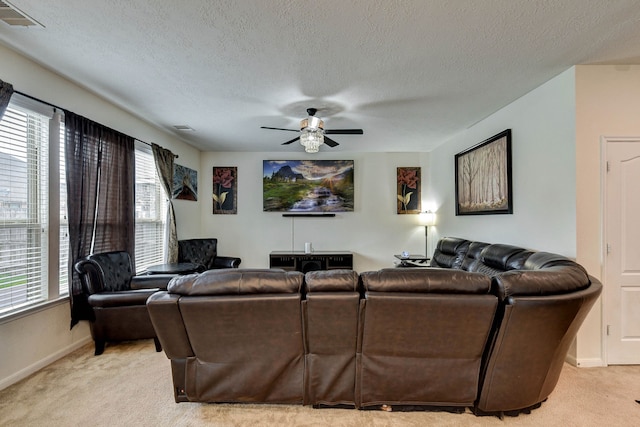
(116, 270)
(498, 258)
(559, 279)
(427, 280)
(331, 281)
(198, 251)
(237, 281)
(450, 252)
(498, 255)
(473, 255)
(121, 298)
(546, 259)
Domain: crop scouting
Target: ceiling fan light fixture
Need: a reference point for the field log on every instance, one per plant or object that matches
(313, 123)
(311, 140)
(312, 133)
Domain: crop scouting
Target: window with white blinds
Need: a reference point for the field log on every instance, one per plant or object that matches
(26, 197)
(34, 238)
(151, 207)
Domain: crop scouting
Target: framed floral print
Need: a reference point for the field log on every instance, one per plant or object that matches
(225, 190)
(408, 180)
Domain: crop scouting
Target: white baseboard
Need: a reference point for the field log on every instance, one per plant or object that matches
(585, 363)
(24, 373)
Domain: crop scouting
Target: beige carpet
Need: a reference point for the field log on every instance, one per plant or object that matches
(130, 385)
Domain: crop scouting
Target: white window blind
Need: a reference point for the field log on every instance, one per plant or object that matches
(151, 206)
(23, 208)
(64, 223)
(33, 264)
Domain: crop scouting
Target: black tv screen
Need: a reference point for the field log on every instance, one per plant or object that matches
(307, 186)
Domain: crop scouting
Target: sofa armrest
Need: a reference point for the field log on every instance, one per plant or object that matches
(121, 299)
(90, 276)
(226, 262)
(150, 281)
(168, 324)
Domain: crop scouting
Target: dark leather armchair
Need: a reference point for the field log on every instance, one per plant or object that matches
(118, 298)
(205, 253)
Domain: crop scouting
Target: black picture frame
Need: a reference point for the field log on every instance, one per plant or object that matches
(483, 177)
(308, 186)
(225, 190)
(185, 183)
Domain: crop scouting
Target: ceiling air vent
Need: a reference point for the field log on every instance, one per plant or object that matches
(12, 16)
(184, 128)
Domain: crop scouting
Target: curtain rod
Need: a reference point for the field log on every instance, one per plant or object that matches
(63, 109)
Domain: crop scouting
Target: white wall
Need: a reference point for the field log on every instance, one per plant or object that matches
(543, 129)
(557, 129)
(374, 232)
(30, 342)
(543, 159)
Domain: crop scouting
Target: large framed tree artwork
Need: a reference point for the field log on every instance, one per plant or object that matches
(483, 177)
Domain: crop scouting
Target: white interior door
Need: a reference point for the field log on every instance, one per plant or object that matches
(622, 250)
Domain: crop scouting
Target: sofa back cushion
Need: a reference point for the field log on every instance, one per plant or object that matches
(237, 281)
(549, 281)
(423, 332)
(115, 269)
(450, 252)
(498, 258)
(427, 280)
(247, 348)
(330, 313)
(541, 259)
(198, 251)
(473, 255)
(331, 281)
(245, 329)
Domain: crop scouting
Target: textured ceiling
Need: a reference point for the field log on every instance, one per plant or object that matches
(410, 73)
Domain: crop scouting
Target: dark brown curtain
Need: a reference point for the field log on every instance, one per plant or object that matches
(101, 205)
(6, 90)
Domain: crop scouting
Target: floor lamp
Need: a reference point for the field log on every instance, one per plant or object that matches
(427, 219)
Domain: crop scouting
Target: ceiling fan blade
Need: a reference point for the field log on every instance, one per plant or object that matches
(344, 131)
(293, 140)
(330, 142)
(290, 130)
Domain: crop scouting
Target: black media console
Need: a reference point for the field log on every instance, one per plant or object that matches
(304, 262)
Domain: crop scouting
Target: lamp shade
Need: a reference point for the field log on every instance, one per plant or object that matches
(427, 218)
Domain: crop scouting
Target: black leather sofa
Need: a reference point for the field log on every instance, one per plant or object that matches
(488, 328)
(543, 300)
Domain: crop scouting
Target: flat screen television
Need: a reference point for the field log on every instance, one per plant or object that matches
(307, 186)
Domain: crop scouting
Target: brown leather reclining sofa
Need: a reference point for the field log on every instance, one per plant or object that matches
(488, 328)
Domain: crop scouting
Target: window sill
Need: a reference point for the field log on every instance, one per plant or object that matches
(10, 316)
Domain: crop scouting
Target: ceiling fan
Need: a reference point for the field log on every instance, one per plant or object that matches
(312, 132)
